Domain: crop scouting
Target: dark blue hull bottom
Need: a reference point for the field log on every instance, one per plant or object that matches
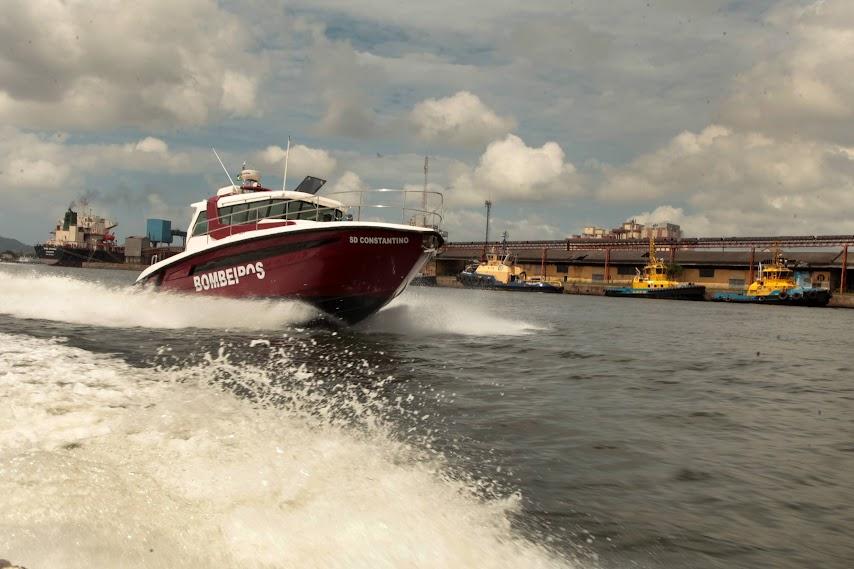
(811, 298)
(471, 281)
(675, 293)
(75, 256)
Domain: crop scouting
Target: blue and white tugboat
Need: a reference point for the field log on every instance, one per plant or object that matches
(776, 285)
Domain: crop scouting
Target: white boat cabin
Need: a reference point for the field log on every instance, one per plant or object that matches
(250, 207)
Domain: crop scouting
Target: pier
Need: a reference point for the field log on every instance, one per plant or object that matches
(588, 265)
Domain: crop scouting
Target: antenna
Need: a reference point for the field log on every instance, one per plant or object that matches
(488, 205)
(424, 195)
(224, 169)
(287, 154)
(652, 258)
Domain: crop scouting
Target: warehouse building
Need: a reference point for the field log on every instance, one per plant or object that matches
(714, 269)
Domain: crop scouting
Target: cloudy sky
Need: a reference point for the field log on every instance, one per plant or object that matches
(728, 117)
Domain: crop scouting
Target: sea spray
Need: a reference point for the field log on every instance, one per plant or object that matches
(62, 298)
(475, 314)
(104, 464)
(76, 301)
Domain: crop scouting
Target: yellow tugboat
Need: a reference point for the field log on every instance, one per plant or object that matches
(654, 282)
(776, 284)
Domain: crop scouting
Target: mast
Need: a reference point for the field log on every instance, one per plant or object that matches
(651, 248)
(424, 195)
(488, 205)
(287, 154)
(224, 169)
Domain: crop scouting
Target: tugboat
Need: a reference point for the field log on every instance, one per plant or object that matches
(502, 273)
(251, 241)
(80, 238)
(653, 282)
(776, 285)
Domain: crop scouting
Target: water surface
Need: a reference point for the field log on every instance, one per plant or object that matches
(454, 429)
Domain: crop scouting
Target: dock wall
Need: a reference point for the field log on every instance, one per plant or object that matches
(116, 266)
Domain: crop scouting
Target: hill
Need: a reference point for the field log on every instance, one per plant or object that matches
(8, 244)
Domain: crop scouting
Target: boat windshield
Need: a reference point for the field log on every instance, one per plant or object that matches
(778, 272)
(252, 212)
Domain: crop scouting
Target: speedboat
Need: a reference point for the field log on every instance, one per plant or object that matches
(249, 241)
(777, 285)
(653, 281)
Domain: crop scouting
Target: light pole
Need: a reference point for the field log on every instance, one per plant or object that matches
(488, 205)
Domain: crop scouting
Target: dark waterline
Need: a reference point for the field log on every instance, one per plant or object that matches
(651, 433)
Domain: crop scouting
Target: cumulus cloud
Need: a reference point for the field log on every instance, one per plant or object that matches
(803, 89)
(151, 144)
(347, 182)
(50, 165)
(344, 82)
(81, 65)
(461, 119)
(509, 170)
(692, 225)
(238, 93)
(156, 207)
(470, 225)
(346, 189)
(743, 182)
(303, 161)
(780, 160)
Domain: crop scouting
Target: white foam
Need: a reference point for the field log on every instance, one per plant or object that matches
(67, 299)
(107, 465)
(424, 312)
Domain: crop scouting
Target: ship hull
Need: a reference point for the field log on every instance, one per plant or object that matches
(472, 280)
(668, 293)
(349, 272)
(795, 297)
(64, 256)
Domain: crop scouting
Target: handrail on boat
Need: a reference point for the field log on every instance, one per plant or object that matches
(430, 214)
(433, 215)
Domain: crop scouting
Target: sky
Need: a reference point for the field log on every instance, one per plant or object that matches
(726, 117)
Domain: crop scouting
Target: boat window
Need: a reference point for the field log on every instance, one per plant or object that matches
(239, 213)
(325, 214)
(707, 272)
(277, 209)
(201, 225)
(258, 210)
(298, 209)
(309, 211)
(225, 215)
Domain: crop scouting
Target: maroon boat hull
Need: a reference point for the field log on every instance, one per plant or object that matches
(347, 272)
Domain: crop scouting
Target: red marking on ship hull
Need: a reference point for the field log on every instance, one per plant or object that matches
(349, 272)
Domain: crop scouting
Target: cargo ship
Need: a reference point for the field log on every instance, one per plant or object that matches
(78, 239)
(654, 281)
(248, 241)
(776, 284)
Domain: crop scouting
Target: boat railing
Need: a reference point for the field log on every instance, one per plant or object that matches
(413, 207)
(257, 217)
(253, 218)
